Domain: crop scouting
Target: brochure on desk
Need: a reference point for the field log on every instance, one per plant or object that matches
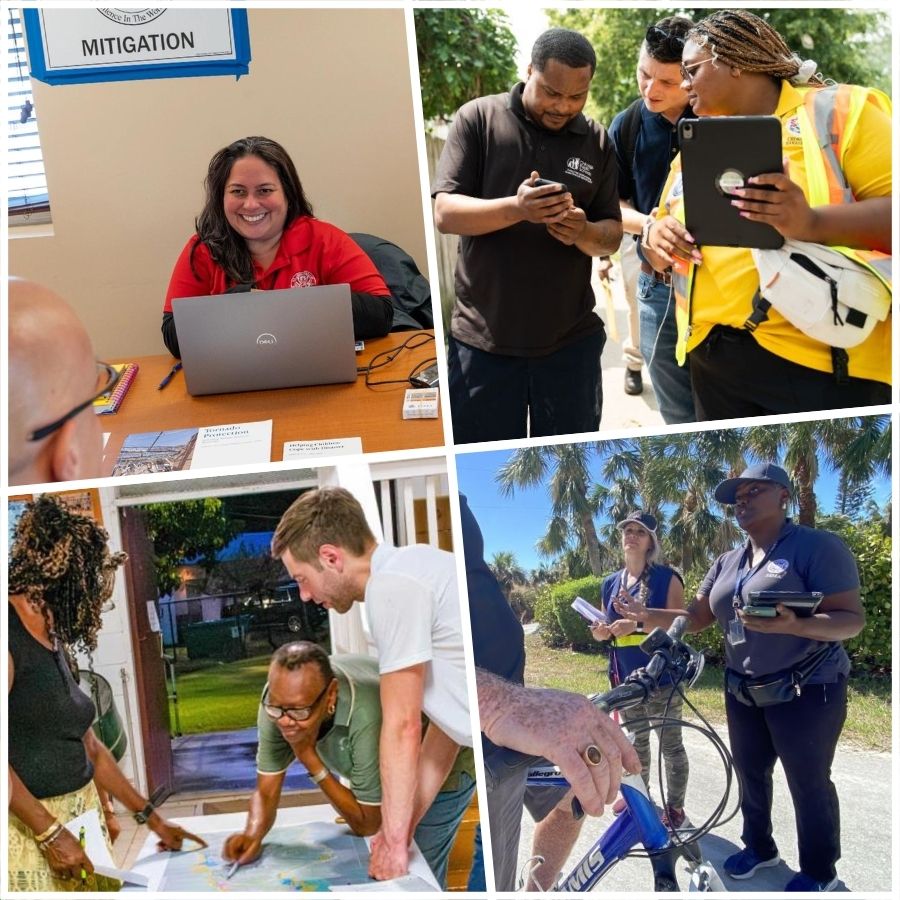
(195, 448)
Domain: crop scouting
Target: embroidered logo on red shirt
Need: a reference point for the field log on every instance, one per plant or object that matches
(303, 279)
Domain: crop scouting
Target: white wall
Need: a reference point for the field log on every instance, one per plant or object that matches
(125, 161)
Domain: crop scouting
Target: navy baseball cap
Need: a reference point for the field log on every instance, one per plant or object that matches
(760, 472)
(641, 518)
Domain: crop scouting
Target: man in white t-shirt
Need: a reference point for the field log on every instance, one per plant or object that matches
(412, 607)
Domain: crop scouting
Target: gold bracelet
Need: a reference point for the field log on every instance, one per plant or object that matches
(40, 838)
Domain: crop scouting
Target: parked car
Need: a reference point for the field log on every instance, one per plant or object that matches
(285, 610)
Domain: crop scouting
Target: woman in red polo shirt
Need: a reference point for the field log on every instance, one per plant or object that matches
(257, 231)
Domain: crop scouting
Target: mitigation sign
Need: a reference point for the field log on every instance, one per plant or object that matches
(73, 46)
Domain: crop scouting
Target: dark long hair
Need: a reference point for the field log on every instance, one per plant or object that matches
(61, 563)
(228, 249)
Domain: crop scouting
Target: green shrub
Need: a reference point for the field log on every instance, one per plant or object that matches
(871, 649)
(561, 626)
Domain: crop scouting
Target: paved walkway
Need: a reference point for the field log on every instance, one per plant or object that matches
(863, 781)
(619, 409)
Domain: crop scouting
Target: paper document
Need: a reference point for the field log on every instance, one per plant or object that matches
(195, 448)
(591, 613)
(326, 447)
(97, 850)
(233, 445)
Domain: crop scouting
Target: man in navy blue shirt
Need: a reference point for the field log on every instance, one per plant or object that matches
(646, 140)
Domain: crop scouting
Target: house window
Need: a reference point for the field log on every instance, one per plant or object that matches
(26, 185)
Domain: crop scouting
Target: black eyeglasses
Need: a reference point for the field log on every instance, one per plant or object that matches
(107, 377)
(297, 713)
(414, 341)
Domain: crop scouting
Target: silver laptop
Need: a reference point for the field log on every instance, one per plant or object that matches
(266, 339)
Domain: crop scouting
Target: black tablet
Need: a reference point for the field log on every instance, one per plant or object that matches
(804, 604)
(718, 152)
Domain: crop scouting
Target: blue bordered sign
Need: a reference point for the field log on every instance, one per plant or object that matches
(73, 46)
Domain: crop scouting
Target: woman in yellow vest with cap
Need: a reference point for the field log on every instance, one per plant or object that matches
(734, 63)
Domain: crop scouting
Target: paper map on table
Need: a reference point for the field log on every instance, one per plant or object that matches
(313, 856)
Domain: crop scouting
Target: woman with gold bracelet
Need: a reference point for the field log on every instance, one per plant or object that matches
(60, 575)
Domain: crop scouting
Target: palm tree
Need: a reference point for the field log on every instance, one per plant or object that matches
(507, 571)
(564, 469)
(856, 446)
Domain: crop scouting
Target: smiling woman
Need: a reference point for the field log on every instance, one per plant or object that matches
(257, 232)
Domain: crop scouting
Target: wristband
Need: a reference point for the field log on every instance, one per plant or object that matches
(639, 627)
(320, 776)
(142, 816)
(40, 838)
(645, 232)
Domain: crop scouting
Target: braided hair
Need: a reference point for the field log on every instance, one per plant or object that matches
(60, 562)
(739, 38)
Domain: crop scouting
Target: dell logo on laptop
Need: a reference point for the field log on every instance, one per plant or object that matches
(266, 338)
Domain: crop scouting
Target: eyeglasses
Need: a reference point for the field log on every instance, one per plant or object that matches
(416, 340)
(297, 713)
(687, 70)
(107, 377)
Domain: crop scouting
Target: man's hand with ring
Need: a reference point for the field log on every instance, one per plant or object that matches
(559, 726)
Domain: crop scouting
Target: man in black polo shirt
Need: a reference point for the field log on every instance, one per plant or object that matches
(645, 136)
(525, 342)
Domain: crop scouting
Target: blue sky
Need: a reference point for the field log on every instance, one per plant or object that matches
(517, 523)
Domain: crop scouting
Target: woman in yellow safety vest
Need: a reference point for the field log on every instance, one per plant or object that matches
(839, 194)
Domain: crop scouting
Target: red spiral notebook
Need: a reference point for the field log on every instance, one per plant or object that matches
(110, 403)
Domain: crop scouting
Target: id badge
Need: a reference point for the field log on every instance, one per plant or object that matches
(736, 634)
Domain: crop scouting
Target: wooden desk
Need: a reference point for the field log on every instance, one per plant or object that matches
(374, 414)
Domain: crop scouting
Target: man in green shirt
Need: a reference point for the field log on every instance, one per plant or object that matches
(325, 712)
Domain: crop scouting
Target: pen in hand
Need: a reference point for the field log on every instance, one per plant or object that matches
(81, 841)
(171, 374)
(232, 869)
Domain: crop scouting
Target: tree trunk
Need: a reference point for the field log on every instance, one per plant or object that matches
(592, 543)
(806, 495)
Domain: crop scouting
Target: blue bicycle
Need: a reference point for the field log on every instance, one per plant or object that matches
(639, 829)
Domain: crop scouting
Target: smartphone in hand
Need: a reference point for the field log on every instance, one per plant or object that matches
(543, 182)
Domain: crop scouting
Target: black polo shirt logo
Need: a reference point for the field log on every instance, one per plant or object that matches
(576, 166)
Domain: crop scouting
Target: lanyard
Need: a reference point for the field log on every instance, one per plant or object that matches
(739, 582)
(630, 590)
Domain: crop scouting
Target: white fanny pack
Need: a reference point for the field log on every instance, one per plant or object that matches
(820, 292)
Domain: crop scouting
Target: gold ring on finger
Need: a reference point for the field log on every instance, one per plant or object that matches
(592, 755)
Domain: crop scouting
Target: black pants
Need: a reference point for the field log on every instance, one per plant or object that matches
(733, 376)
(803, 734)
(495, 397)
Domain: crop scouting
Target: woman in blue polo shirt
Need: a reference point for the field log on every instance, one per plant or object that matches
(653, 586)
(786, 696)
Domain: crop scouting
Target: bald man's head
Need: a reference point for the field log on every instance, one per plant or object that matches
(51, 370)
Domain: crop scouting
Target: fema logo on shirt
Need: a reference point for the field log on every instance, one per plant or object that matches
(576, 166)
(303, 279)
(777, 567)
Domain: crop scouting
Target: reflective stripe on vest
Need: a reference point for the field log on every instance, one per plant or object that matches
(828, 118)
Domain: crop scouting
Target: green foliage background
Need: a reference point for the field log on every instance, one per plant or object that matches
(467, 53)
(463, 54)
(870, 651)
(850, 46)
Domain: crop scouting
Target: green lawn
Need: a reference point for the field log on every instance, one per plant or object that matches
(220, 696)
(868, 717)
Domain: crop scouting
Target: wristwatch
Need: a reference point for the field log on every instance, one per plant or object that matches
(645, 232)
(639, 627)
(142, 816)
